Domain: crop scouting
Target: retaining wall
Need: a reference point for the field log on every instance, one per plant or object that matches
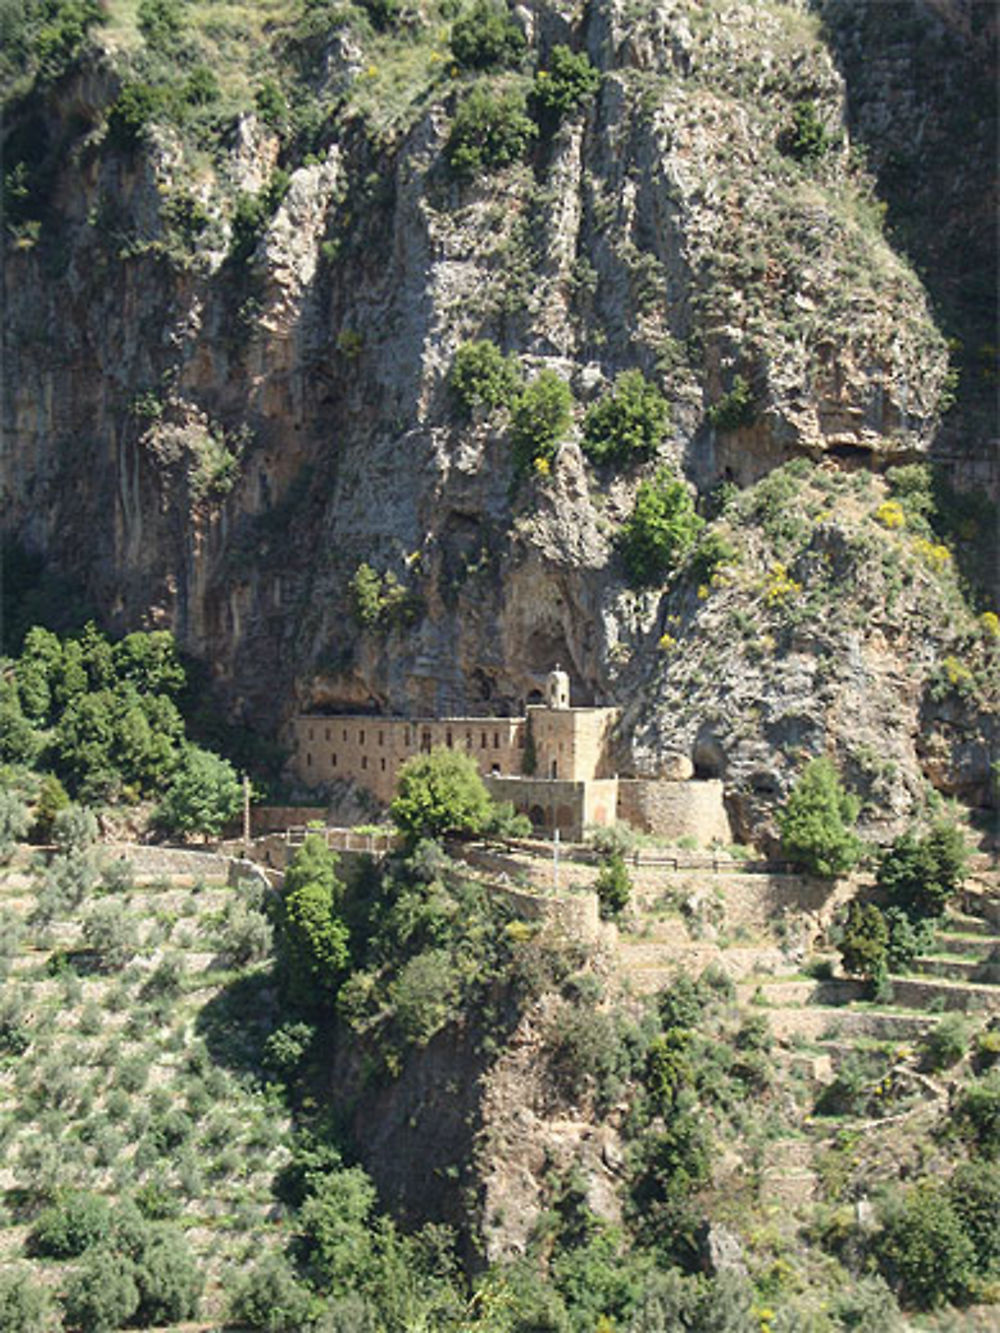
(148, 861)
(276, 818)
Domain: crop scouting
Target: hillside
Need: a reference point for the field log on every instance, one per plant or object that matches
(588, 1125)
(233, 307)
(375, 357)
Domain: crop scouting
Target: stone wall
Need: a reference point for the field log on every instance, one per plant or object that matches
(572, 742)
(555, 803)
(675, 809)
(276, 818)
(371, 750)
(153, 861)
(731, 902)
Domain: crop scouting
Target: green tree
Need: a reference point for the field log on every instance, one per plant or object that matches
(110, 931)
(921, 875)
(38, 668)
(15, 821)
(102, 1294)
(271, 1298)
(312, 936)
(566, 81)
(334, 1224)
(974, 1190)
(489, 130)
(481, 376)
(203, 796)
(486, 37)
(613, 887)
(668, 1068)
(817, 821)
(52, 798)
(627, 423)
(540, 418)
(439, 794)
(74, 828)
(75, 1223)
(976, 1116)
(864, 940)
(660, 531)
(25, 1306)
(923, 1249)
(424, 995)
(167, 1277)
(20, 742)
(149, 661)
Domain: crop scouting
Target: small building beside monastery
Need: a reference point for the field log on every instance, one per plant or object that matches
(554, 765)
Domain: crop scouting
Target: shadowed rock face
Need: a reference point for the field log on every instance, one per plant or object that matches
(215, 444)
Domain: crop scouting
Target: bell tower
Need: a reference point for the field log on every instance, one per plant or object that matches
(557, 689)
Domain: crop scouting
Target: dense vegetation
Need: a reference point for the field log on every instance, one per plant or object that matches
(104, 721)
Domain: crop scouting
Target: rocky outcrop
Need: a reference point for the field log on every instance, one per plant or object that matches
(215, 437)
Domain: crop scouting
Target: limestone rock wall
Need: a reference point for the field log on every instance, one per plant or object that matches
(216, 446)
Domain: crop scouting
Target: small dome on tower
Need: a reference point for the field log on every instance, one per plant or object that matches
(557, 689)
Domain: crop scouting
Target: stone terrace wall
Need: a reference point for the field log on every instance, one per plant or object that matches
(151, 861)
(751, 902)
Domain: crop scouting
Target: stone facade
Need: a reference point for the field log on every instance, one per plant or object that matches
(371, 750)
(554, 765)
(553, 741)
(559, 803)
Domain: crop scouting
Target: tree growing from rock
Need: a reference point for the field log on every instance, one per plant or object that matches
(817, 822)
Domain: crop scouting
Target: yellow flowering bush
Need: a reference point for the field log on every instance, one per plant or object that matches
(779, 585)
(934, 554)
(989, 623)
(890, 514)
(667, 643)
(956, 672)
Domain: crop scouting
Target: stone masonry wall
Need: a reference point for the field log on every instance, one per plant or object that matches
(675, 809)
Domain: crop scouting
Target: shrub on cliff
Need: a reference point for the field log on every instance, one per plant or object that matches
(817, 822)
(567, 80)
(486, 37)
(735, 408)
(808, 139)
(481, 376)
(540, 418)
(627, 423)
(489, 130)
(661, 529)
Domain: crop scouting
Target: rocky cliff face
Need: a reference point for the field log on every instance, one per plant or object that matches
(215, 428)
